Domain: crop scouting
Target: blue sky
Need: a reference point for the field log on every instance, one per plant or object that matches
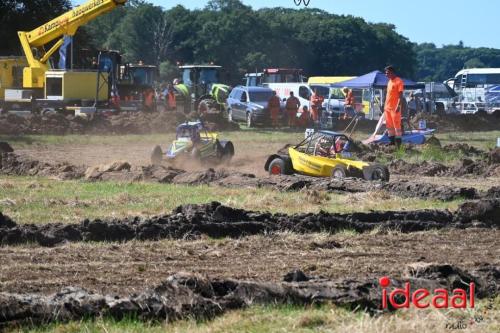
(436, 21)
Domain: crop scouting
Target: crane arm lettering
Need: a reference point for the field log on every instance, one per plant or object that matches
(69, 22)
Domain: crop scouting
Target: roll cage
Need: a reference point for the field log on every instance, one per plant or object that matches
(192, 131)
(324, 143)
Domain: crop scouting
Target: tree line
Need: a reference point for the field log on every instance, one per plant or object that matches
(231, 34)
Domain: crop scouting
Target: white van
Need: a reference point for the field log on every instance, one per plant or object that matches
(478, 89)
(303, 92)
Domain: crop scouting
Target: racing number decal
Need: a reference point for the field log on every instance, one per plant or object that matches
(309, 164)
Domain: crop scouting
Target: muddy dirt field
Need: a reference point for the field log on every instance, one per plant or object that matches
(215, 249)
(172, 280)
(138, 154)
(131, 267)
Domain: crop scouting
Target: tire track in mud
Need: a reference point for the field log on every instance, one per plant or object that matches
(216, 220)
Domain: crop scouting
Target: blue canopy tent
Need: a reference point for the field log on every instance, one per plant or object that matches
(375, 80)
(372, 81)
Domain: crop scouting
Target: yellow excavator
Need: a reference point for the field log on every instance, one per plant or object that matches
(37, 80)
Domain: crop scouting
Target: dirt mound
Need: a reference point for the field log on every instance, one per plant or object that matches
(467, 167)
(464, 149)
(486, 211)
(494, 156)
(191, 296)
(204, 177)
(5, 147)
(424, 169)
(493, 192)
(459, 122)
(6, 222)
(409, 189)
(216, 220)
(481, 159)
(120, 123)
(488, 167)
(123, 171)
(297, 182)
(486, 278)
(12, 164)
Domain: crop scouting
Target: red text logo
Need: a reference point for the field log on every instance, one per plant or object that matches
(439, 298)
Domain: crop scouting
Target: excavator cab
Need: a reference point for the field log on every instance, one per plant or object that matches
(128, 84)
(142, 75)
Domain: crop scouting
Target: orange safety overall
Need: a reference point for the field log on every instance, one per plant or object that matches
(274, 109)
(171, 101)
(316, 103)
(392, 108)
(292, 106)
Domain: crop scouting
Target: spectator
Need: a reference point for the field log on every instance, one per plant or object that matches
(349, 103)
(171, 98)
(292, 106)
(393, 106)
(274, 105)
(414, 105)
(316, 104)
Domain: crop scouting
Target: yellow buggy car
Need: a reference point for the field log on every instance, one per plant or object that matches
(324, 154)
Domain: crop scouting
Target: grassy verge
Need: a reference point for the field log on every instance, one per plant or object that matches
(42, 200)
(482, 140)
(328, 318)
(427, 153)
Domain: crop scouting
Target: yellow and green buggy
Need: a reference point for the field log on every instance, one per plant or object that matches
(193, 141)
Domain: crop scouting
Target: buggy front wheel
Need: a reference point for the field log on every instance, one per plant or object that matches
(339, 172)
(277, 167)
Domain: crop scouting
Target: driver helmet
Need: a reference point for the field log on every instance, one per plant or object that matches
(341, 144)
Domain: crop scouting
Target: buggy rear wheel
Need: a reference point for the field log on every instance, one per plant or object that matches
(156, 155)
(376, 172)
(227, 152)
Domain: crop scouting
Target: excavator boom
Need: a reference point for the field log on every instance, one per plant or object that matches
(66, 24)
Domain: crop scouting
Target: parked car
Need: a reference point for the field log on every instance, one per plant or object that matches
(249, 104)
